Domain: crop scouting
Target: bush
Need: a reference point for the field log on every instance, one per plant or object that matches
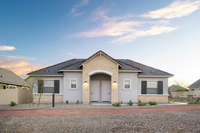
(152, 103)
(121, 102)
(130, 103)
(77, 101)
(116, 104)
(67, 102)
(13, 103)
(194, 102)
(141, 103)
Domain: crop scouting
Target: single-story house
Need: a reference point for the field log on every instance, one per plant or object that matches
(101, 78)
(12, 88)
(177, 88)
(195, 86)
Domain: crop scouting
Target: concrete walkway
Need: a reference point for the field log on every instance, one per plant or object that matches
(97, 111)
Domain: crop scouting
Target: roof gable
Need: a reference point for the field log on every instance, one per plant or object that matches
(101, 53)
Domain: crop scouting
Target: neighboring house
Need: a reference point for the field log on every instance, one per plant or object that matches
(177, 88)
(12, 88)
(101, 78)
(9, 80)
(195, 86)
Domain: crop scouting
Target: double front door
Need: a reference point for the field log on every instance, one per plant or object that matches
(100, 91)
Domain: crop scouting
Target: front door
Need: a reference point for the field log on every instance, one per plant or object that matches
(105, 91)
(95, 91)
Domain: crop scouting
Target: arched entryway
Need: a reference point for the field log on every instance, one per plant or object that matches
(100, 88)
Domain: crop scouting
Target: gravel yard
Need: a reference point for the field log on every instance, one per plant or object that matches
(188, 121)
(77, 106)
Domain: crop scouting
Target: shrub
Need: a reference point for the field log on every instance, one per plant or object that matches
(116, 104)
(13, 103)
(77, 101)
(152, 103)
(67, 102)
(121, 102)
(130, 103)
(194, 102)
(141, 103)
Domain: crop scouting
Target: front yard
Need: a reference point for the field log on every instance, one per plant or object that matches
(188, 121)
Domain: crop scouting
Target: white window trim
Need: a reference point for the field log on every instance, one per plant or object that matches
(12, 86)
(124, 85)
(76, 84)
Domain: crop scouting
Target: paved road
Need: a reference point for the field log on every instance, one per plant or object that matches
(97, 111)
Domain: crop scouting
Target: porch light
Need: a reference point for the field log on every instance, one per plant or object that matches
(114, 81)
(85, 81)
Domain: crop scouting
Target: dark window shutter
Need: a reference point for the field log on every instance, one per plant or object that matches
(160, 87)
(144, 87)
(56, 86)
(40, 83)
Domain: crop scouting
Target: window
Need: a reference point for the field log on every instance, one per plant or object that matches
(73, 84)
(12, 87)
(152, 88)
(127, 84)
(48, 86)
(3, 86)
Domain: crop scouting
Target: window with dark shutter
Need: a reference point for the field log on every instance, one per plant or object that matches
(144, 87)
(40, 83)
(56, 86)
(160, 87)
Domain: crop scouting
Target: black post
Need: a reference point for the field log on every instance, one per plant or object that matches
(53, 100)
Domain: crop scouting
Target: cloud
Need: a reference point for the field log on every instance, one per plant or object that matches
(155, 30)
(73, 10)
(78, 14)
(19, 65)
(71, 54)
(125, 29)
(83, 3)
(6, 48)
(175, 10)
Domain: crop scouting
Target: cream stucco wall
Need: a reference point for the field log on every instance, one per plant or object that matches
(100, 62)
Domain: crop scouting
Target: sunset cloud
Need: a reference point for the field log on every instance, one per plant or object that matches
(75, 8)
(175, 10)
(126, 29)
(19, 65)
(6, 48)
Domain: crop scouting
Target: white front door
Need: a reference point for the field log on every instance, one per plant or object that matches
(105, 91)
(95, 91)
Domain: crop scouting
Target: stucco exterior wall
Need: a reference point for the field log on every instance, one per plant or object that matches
(127, 95)
(157, 98)
(16, 95)
(72, 95)
(47, 98)
(100, 63)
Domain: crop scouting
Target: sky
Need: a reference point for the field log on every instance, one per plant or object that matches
(162, 34)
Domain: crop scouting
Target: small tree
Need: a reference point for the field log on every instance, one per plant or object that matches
(181, 87)
(34, 79)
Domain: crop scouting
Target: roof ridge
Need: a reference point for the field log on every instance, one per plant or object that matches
(70, 65)
(150, 67)
(50, 66)
(129, 64)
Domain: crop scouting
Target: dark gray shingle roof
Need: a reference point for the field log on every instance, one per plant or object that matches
(146, 70)
(54, 69)
(74, 65)
(8, 77)
(195, 84)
